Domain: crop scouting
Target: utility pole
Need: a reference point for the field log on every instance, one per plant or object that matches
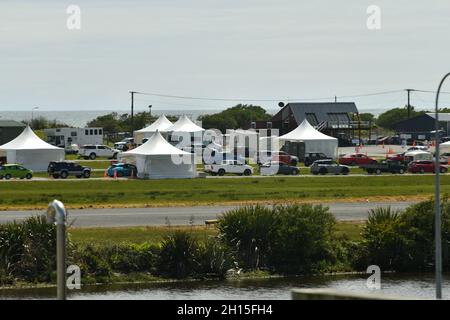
(132, 111)
(409, 100)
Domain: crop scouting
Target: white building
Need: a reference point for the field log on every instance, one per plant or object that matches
(65, 137)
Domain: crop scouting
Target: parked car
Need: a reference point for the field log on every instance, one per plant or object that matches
(268, 155)
(11, 170)
(414, 148)
(91, 151)
(213, 156)
(328, 166)
(384, 166)
(63, 169)
(314, 156)
(229, 166)
(122, 170)
(122, 146)
(356, 159)
(277, 167)
(399, 157)
(422, 166)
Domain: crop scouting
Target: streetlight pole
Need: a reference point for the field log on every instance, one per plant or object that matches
(56, 213)
(437, 218)
(132, 111)
(32, 115)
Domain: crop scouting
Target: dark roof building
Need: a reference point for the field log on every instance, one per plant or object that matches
(422, 127)
(9, 130)
(332, 118)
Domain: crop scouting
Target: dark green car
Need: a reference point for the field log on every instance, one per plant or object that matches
(8, 171)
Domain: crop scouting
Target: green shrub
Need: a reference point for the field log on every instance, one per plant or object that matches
(28, 250)
(302, 239)
(404, 241)
(177, 256)
(127, 258)
(213, 259)
(249, 232)
(289, 239)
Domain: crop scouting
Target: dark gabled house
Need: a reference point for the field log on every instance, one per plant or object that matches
(9, 130)
(332, 118)
(422, 127)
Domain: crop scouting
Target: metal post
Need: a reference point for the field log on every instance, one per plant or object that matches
(56, 213)
(61, 260)
(132, 112)
(437, 219)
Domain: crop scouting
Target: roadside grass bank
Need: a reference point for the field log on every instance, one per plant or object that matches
(257, 241)
(155, 235)
(85, 193)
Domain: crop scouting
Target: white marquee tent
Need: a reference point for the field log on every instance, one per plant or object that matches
(158, 159)
(183, 125)
(31, 151)
(315, 141)
(161, 125)
(182, 130)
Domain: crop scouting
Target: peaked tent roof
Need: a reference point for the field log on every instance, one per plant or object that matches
(156, 146)
(305, 132)
(184, 124)
(160, 124)
(28, 140)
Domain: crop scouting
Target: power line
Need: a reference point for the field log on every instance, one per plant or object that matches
(172, 96)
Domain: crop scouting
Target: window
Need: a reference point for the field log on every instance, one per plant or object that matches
(253, 125)
(91, 132)
(86, 132)
(312, 119)
(269, 125)
(100, 131)
(96, 132)
(73, 134)
(101, 147)
(338, 117)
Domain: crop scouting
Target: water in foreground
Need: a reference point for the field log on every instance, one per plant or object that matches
(421, 286)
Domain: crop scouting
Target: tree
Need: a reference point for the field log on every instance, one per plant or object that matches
(389, 118)
(114, 122)
(41, 123)
(235, 117)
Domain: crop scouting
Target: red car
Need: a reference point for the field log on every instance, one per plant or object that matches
(423, 166)
(400, 157)
(356, 159)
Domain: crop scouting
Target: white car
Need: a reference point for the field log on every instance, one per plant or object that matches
(229, 166)
(91, 151)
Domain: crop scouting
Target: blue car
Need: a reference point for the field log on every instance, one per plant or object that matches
(122, 169)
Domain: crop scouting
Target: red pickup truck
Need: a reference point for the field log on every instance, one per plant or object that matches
(356, 159)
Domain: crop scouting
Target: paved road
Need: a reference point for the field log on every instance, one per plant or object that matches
(181, 215)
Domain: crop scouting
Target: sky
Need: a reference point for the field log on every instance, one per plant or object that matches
(227, 49)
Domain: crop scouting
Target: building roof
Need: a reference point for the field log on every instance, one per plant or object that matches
(320, 109)
(11, 123)
(28, 140)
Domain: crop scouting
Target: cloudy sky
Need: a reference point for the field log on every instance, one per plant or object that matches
(244, 49)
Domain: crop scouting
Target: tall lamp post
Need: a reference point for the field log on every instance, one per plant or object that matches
(437, 218)
(56, 213)
(32, 115)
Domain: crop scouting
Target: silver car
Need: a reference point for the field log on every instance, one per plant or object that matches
(328, 166)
